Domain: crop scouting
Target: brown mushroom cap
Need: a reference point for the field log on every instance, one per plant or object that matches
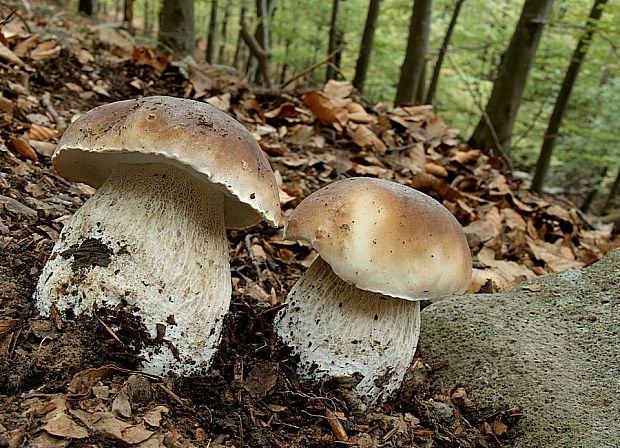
(192, 135)
(385, 237)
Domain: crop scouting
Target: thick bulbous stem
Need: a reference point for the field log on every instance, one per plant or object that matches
(339, 330)
(152, 238)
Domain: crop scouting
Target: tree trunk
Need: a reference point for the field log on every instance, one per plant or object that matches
(128, 15)
(242, 12)
(224, 32)
(494, 130)
(88, 7)
(368, 39)
(264, 13)
(259, 54)
(284, 68)
(176, 26)
(148, 24)
(613, 192)
(211, 34)
(587, 202)
(542, 165)
(417, 47)
(333, 41)
(432, 87)
(419, 92)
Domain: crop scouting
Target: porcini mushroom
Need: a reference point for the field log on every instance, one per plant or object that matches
(172, 174)
(382, 248)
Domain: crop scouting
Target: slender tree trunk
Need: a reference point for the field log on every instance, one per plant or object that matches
(544, 159)
(128, 15)
(419, 93)
(613, 192)
(176, 26)
(494, 130)
(333, 40)
(259, 54)
(242, 12)
(211, 34)
(264, 13)
(432, 87)
(224, 35)
(417, 48)
(148, 25)
(88, 7)
(587, 202)
(284, 68)
(368, 39)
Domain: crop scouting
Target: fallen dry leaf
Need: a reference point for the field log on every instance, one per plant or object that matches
(9, 56)
(21, 146)
(63, 426)
(153, 417)
(325, 110)
(363, 137)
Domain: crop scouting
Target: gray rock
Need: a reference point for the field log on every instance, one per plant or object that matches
(555, 353)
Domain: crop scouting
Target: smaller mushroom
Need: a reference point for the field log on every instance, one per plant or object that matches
(382, 248)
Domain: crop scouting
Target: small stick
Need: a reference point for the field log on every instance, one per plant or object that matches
(8, 18)
(46, 99)
(336, 426)
(311, 68)
(105, 326)
(248, 244)
(175, 397)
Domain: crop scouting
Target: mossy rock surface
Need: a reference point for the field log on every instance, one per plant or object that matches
(554, 352)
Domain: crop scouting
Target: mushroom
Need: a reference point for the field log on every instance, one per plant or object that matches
(382, 248)
(172, 174)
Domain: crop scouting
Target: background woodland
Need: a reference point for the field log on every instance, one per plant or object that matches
(456, 52)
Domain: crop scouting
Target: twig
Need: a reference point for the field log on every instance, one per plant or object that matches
(14, 12)
(46, 100)
(248, 245)
(336, 426)
(175, 397)
(105, 326)
(312, 67)
(8, 18)
(404, 147)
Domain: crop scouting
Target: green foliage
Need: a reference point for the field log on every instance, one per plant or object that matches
(590, 133)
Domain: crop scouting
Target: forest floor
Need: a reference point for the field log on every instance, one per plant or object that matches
(77, 382)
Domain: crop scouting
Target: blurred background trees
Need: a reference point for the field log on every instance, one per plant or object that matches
(458, 66)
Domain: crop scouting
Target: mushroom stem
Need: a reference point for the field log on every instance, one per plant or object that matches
(152, 238)
(339, 330)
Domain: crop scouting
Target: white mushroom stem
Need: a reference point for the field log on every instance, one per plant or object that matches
(153, 237)
(339, 330)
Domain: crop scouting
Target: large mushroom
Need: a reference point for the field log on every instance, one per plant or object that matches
(172, 174)
(382, 248)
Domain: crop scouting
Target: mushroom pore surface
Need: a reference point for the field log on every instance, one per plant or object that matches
(340, 330)
(151, 237)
